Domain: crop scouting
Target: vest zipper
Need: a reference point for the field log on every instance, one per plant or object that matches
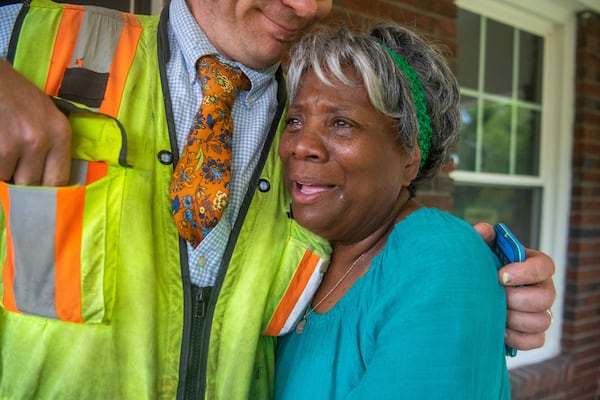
(196, 382)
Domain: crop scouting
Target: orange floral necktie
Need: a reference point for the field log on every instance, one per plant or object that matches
(200, 183)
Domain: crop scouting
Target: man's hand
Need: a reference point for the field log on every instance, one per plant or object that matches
(528, 316)
(35, 137)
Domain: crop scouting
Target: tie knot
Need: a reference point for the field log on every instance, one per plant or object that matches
(220, 81)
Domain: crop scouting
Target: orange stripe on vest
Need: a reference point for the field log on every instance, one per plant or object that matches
(122, 61)
(70, 203)
(95, 171)
(8, 271)
(66, 38)
(297, 286)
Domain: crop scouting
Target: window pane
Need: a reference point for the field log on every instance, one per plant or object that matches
(498, 58)
(468, 38)
(495, 151)
(528, 142)
(530, 67)
(518, 208)
(467, 147)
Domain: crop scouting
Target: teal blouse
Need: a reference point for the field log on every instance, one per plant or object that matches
(425, 322)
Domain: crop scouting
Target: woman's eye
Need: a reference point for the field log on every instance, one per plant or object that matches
(340, 123)
(292, 122)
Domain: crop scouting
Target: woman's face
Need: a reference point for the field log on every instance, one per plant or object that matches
(344, 167)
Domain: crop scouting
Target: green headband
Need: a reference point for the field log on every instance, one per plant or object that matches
(418, 95)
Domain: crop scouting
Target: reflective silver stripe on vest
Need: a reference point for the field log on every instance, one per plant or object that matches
(79, 170)
(98, 39)
(33, 240)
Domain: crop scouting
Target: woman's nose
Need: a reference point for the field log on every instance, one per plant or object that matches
(308, 145)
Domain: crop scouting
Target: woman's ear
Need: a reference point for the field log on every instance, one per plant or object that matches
(411, 168)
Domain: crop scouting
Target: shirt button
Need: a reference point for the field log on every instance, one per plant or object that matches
(165, 157)
(264, 185)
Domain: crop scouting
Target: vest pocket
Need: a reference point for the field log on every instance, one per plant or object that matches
(55, 242)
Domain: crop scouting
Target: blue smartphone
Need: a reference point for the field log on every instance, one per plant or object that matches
(508, 249)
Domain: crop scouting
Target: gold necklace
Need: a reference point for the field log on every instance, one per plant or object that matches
(309, 309)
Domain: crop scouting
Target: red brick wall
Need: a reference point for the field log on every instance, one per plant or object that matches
(575, 374)
(581, 327)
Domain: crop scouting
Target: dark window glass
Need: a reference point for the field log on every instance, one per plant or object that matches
(499, 58)
(517, 207)
(531, 56)
(528, 142)
(495, 149)
(467, 147)
(468, 38)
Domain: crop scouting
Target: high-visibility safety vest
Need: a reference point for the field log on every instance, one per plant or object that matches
(94, 285)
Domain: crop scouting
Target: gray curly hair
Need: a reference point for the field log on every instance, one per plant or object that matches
(328, 50)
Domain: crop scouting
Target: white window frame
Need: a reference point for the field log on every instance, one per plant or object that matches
(554, 21)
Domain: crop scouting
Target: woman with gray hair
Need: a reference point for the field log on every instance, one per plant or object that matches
(370, 115)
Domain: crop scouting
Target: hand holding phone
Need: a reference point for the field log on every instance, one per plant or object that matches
(508, 249)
